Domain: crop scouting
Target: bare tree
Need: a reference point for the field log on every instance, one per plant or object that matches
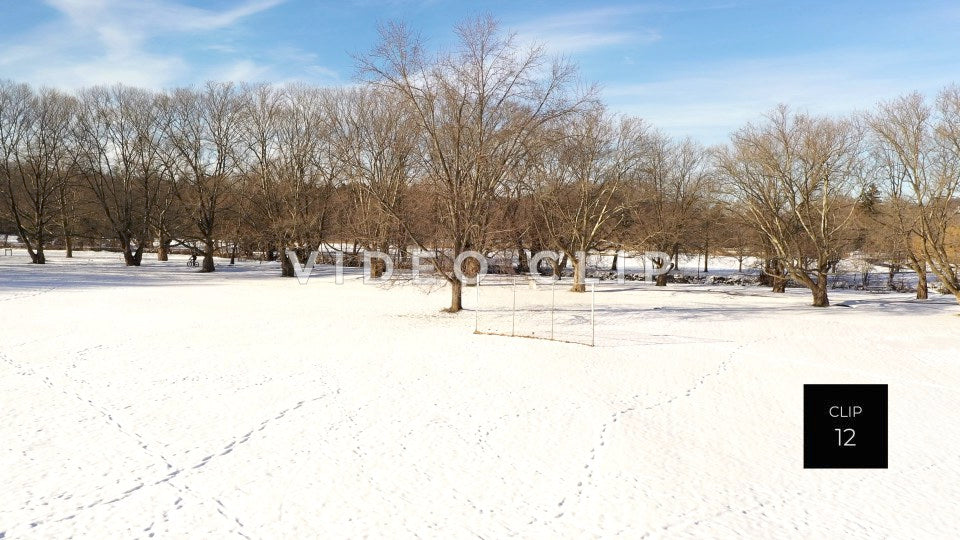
(69, 204)
(202, 129)
(376, 137)
(669, 192)
(940, 217)
(917, 155)
(795, 175)
(902, 145)
(118, 150)
(578, 179)
(167, 221)
(37, 160)
(289, 153)
(733, 235)
(475, 109)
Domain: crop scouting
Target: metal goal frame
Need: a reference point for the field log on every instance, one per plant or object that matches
(553, 311)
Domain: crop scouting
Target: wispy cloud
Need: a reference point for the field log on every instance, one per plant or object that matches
(120, 23)
(106, 41)
(582, 31)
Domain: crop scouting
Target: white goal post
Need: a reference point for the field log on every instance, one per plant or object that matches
(527, 306)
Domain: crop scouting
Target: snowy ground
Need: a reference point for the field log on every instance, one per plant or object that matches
(159, 401)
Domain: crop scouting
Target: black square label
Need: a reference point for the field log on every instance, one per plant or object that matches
(845, 426)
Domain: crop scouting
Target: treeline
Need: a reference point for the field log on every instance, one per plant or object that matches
(490, 147)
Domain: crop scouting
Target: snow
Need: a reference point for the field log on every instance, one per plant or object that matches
(157, 400)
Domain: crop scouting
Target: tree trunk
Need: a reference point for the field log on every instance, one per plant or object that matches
(65, 221)
(456, 295)
(660, 280)
(36, 255)
(377, 268)
(779, 284)
(616, 255)
(131, 258)
(706, 254)
(773, 272)
(556, 271)
(208, 265)
(922, 293)
(286, 265)
(523, 263)
(820, 291)
(163, 251)
(578, 284)
(208, 262)
(766, 277)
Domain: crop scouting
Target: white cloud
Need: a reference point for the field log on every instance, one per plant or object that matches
(323, 73)
(128, 21)
(241, 70)
(585, 30)
(107, 41)
(143, 70)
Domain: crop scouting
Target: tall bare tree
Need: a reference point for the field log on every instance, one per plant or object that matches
(475, 108)
(796, 176)
(37, 160)
(671, 189)
(167, 220)
(118, 150)
(941, 241)
(203, 131)
(578, 181)
(376, 138)
(902, 145)
(289, 154)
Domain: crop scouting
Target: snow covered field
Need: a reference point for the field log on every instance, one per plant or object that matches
(158, 401)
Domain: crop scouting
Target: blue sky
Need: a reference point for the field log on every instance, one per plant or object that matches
(691, 68)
